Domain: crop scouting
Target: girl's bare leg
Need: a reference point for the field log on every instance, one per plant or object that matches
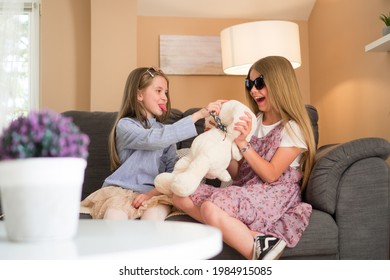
(157, 213)
(235, 233)
(186, 204)
(115, 214)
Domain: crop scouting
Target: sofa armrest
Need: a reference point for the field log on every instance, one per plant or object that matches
(351, 182)
(332, 162)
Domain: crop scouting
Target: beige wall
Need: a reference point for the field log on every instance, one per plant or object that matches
(65, 54)
(89, 47)
(349, 87)
(113, 51)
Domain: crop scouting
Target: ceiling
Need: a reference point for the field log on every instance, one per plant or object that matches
(256, 9)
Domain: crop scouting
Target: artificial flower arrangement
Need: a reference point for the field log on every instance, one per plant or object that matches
(43, 134)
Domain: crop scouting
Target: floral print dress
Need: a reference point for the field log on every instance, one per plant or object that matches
(269, 208)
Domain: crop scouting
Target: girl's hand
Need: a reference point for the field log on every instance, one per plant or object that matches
(137, 202)
(205, 112)
(214, 107)
(244, 126)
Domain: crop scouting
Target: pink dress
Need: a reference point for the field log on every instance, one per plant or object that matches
(270, 208)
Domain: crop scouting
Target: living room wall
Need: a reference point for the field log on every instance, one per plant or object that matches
(349, 87)
(65, 54)
(89, 47)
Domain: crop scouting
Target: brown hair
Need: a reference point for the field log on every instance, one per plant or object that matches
(138, 80)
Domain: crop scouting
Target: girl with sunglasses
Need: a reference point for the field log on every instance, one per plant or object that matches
(141, 147)
(262, 211)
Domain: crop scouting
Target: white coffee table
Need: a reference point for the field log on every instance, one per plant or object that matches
(101, 239)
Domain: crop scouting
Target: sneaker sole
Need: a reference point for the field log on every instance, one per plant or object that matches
(276, 251)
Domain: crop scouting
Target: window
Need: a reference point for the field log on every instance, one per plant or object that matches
(19, 58)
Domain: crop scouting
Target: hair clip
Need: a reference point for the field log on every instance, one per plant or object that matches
(155, 69)
(150, 73)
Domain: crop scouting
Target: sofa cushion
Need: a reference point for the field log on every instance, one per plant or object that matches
(321, 231)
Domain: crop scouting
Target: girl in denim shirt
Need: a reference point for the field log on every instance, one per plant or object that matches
(141, 147)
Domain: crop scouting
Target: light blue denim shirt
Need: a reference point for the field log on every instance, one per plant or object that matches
(145, 153)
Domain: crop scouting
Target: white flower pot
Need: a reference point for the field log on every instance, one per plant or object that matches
(41, 197)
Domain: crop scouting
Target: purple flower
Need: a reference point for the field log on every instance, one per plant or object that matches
(43, 134)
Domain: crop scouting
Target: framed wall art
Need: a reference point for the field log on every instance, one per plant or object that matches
(190, 55)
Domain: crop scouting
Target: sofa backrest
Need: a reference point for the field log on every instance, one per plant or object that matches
(98, 125)
(313, 115)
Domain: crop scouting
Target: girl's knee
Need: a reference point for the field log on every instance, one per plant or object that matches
(209, 212)
(157, 213)
(207, 206)
(181, 202)
(115, 214)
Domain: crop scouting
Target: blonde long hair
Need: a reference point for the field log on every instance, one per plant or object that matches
(138, 80)
(285, 98)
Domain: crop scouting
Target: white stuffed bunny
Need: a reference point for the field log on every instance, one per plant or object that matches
(210, 154)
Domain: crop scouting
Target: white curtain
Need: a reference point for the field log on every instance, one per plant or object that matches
(10, 34)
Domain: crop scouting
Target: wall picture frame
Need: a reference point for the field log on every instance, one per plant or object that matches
(190, 55)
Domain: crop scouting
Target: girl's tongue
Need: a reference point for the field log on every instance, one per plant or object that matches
(163, 107)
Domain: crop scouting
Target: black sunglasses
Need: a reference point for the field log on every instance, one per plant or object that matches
(258, 83)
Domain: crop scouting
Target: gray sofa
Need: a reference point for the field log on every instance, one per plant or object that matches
(349, 190)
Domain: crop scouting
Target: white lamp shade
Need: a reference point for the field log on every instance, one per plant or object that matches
(244, 44)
